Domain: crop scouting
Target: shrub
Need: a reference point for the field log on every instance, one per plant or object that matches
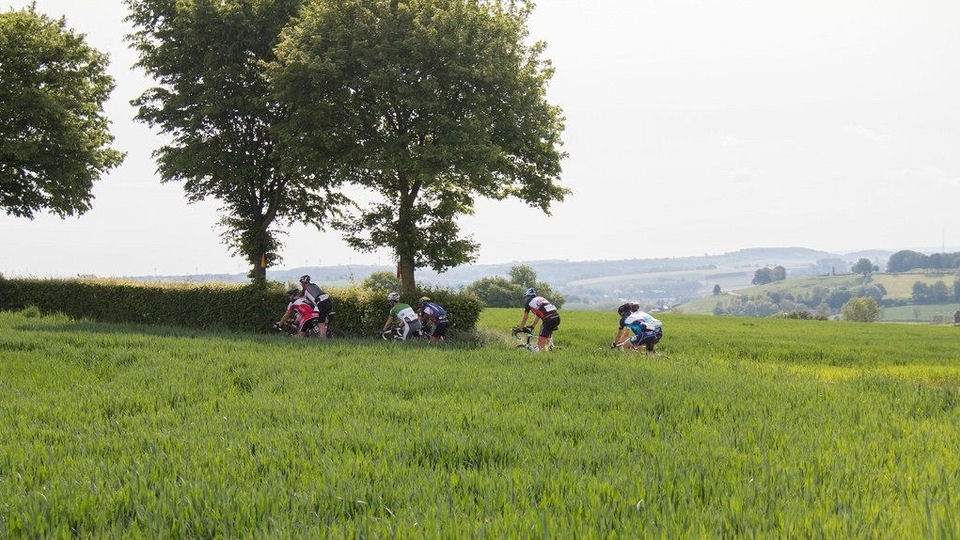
(801, 314)
(862, 309)
(503, 292)
(245, 308)
(382, 281)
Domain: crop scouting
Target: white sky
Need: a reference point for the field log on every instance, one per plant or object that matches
(693, 126)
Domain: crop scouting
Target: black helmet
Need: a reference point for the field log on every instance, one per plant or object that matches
(293, 292)
(305, 279)
(623, 309)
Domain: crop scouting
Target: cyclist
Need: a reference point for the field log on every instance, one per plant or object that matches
(403, 313)
(435, 319)
(647, 330)
(544, 311)
(319, 300)
(306, 316)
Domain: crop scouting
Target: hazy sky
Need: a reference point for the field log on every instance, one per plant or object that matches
(692, 127)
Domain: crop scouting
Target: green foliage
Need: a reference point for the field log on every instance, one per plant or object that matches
(214, 103)
(431, 104)
(863, 266)
(30, 311)
(762, 276)
(905, 260)
(747, 428)
(382, 281)
(503, 292)
(54, 139)
(861, 309)
(359, 312)
(936, 293)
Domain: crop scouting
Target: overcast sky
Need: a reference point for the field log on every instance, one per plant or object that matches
(692, 127)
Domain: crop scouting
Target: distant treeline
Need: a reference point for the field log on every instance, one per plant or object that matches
(938, 293)
(821, 301)
(905, 260)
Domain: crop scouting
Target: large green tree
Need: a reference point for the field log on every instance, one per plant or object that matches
(429, 104)
(213, 101)
(54, 139)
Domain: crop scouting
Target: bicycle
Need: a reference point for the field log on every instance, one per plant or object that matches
(291, 329)
(526, 339)
(396, 334)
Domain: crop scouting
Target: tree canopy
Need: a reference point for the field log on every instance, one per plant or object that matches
(428, 103)
(213, 100)
(863, 266)
(503, 292)
(905, 260)
(861, 309)
(54, 139)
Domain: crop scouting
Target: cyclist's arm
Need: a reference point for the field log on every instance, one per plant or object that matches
(536, 321)
(286, 316)
(388, 324)
(523, 321)
(620, 335)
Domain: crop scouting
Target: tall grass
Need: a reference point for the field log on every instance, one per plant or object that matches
(746, 427)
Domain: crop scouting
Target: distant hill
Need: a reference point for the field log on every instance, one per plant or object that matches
(593, 284)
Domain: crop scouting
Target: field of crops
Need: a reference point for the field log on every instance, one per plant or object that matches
(898, 286)
(745, 426)
(921, 313)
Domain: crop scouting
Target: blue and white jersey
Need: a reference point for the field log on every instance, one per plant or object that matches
(434, 311)
(638, 321)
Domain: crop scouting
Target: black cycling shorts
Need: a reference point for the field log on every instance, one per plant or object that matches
(324, 308)
(648, 338)
(439, 329)
(550, 324)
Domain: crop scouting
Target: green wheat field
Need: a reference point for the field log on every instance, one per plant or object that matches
(748, 427)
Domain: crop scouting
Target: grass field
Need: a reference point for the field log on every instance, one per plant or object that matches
(921, 313)
(745, 427)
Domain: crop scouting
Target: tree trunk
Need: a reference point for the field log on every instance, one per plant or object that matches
(259, 257)
(407, 281)
(259, 271)
(406, 240)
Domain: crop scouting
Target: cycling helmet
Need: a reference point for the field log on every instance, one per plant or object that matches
(305, 279)
(623, 309)
(531, 292)
(393, 297)
(293, 292)
(424, 300)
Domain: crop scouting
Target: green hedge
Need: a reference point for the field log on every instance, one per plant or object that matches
(359, 312)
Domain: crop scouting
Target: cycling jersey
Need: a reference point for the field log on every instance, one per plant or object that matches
(314, 294)
(540, 306)
(434, 312)
(638, 321)
(304, 311)
(404, 313)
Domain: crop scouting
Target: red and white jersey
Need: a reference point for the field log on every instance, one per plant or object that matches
(540, 306)
(303, 309)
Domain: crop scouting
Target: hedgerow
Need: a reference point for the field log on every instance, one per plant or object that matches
(243, 308)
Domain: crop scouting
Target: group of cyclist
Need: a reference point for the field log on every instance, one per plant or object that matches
(310, 308)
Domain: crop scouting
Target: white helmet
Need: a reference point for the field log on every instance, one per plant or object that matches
(393, 297)
(531, 292)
